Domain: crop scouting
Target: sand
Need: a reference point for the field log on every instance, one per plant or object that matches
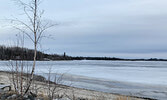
(41, 88)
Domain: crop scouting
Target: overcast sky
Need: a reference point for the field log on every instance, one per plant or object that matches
(115, 28)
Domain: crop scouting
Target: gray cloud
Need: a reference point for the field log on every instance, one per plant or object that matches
(123, 28)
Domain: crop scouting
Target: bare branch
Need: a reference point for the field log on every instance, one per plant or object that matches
(22, 23)
(28, 15)
(25, 33)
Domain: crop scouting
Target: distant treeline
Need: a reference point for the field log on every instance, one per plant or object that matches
(18, 53)
(116, 59)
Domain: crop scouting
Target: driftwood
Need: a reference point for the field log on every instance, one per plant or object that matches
(5, 88)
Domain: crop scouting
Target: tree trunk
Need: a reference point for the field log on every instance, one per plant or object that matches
(35, 46)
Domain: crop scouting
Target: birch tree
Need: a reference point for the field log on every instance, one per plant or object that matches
(33, 27)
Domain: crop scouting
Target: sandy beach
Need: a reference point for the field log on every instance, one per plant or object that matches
(71, 92)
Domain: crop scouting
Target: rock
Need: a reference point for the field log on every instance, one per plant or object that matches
(4, 96)
(62, 99)
(30, 97)
(34, 95)
(25, 96)
(40, 99)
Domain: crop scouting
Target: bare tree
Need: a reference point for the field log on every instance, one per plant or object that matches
(34, 28)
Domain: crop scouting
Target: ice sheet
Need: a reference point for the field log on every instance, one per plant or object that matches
(138, 78)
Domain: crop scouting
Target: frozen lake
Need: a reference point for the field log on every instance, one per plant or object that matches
(137, 78)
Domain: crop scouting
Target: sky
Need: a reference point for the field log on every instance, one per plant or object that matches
(112, 28)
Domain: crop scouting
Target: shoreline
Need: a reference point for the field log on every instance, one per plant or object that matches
(79, 92)
(80, 58)
(132, 60)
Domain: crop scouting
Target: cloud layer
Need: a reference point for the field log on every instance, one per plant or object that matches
(131, 28)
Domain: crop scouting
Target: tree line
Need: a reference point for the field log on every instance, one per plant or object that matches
(18, 53)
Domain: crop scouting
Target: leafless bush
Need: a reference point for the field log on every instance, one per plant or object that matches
(54, 83)
(71, 95)
(19, 75)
